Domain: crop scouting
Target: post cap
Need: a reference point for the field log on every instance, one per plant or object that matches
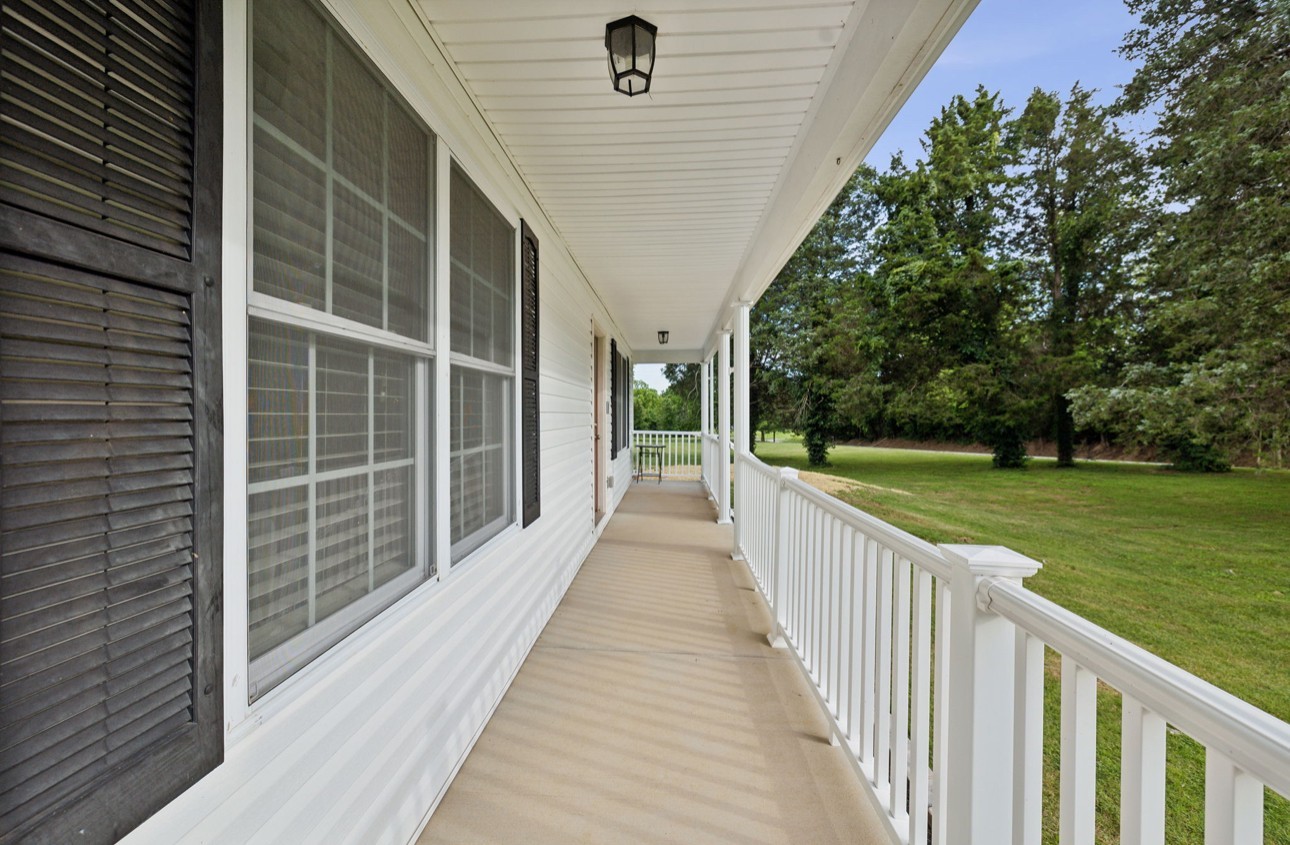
(787, 472)
(990, 560)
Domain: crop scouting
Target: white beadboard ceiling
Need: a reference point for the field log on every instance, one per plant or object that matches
(678, 203)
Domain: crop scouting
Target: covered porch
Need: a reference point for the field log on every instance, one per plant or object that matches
(653, 708)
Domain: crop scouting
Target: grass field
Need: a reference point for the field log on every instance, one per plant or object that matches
(1195, 568)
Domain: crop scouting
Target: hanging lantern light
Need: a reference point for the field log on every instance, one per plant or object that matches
(662, 338)
(630, 43)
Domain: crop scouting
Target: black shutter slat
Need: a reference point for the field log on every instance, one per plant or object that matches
(27, 149)
(40, 578)
(76, 693)
(118, 103)
(103, 46)
(73, 72)
(46, 669)
(63, 671)
(98, 564)
(84, 413)
(87, 717)
(69, 697)
(39, 789)
(69, 124)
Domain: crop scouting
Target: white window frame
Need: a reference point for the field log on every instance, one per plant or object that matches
(243, 717)
(298, 652)
(473, 545)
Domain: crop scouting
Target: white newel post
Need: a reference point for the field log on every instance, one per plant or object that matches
(982, 697)
(723, 428)
(742, 435)
(779, 572)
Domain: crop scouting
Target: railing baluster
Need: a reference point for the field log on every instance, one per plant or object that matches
(846, 620)
(835, 611)
(921, 708)
(1142, 775)
(830, 652)
(869, 676)
(817, 528)
(1079, 754)
(1028, 748)
(856, 679)
(940, 716)
(1233, 803)
(896, 803)
(882, 739)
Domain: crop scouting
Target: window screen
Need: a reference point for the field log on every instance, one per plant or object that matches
(341, 225)
(341, 176)
(483, 306)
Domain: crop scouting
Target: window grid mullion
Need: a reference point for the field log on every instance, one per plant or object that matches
(330, 225)
(385, 212)
(313, 484)
(371, 469)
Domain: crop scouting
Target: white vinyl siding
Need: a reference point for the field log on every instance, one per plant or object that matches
(338, 344)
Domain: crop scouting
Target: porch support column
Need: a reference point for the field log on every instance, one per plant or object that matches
(743, 437)
(723, 428)
(981, 698)
(705, 396)
(743, 421)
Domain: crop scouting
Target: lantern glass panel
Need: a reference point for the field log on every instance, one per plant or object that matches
(621, 51)
(644, 50)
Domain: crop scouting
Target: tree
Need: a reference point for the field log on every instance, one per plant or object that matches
(1213, 377)
(1078, 217)
(796, 371)
(648, 407)
(948, 296)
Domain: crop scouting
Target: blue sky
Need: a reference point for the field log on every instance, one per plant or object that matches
(1010, 46)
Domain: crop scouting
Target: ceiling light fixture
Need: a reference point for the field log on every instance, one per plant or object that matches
(662, 338)
(630, 43)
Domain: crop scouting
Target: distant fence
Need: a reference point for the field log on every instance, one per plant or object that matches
(678, 455)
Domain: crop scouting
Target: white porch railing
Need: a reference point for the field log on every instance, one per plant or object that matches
(711, 447)
(929, 662)
(681, 454)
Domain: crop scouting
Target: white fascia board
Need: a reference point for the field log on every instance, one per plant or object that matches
(887, 49)
(668, 356)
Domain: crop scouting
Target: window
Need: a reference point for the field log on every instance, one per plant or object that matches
(338, 347)
(482, 295)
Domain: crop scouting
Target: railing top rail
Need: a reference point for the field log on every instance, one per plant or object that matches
(915, 549)
(758, 466)
(654, 431)
(1256, 741)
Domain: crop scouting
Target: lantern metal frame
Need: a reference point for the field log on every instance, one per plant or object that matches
(623, 81)
(662, 337)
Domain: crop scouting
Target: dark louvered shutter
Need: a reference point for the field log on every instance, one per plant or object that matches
(628, 396)
(110, 412)
(613, 398)
(532, 434)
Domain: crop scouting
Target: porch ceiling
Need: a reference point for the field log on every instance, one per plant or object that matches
(681, 202)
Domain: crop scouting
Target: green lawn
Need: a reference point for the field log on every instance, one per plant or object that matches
(1195, 568)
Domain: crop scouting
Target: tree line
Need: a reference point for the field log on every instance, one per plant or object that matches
(1049, 271)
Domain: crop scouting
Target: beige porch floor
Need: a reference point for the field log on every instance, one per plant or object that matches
(652, 709)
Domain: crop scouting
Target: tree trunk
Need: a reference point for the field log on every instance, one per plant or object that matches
(1065, 432)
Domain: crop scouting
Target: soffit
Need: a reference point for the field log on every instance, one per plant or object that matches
(678, 202)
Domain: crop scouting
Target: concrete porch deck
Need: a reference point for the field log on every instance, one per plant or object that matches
(652, 709)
